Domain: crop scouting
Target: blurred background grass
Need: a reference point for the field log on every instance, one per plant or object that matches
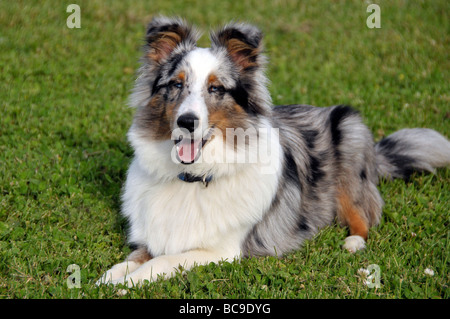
(64, 154)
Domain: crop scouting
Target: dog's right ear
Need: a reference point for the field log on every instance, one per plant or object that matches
(164, 35)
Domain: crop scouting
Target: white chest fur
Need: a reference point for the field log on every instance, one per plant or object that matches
(174, 216)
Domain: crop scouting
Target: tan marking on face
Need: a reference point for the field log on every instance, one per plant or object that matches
(181, 76)
(232, 117)
(154, 119)
(238, 109)
(220, 119)
(170, 112)
(213, 80)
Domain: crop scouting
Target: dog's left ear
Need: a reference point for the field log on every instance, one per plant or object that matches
(243, 43)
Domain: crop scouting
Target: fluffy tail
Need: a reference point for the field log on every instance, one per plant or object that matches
(409, 150)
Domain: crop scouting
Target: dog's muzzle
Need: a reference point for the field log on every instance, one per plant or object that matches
(191, 140)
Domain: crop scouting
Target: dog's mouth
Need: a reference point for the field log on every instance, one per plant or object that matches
(188, 148)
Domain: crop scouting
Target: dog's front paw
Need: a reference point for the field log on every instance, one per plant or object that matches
(116, 272)
(354, 243)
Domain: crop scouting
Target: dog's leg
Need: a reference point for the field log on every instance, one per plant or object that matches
(133, 261)
(168, 265)
(352, 216)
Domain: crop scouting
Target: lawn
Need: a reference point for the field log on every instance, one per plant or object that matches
(64, 153)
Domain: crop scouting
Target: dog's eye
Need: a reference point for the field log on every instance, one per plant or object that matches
(178, 85)
(215, 89)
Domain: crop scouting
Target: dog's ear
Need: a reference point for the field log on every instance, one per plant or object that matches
(243, 43)
(166, 34)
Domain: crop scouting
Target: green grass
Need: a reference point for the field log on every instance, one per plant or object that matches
(64, 153)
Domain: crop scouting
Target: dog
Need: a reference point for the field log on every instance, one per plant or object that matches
(219, 173)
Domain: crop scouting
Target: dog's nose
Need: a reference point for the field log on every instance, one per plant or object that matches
(188, 121)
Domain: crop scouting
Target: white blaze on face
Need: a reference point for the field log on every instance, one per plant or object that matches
(201, 63)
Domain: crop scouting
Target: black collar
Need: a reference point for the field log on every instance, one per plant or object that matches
(189, 178)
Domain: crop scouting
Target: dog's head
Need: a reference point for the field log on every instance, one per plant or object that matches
(187, 96)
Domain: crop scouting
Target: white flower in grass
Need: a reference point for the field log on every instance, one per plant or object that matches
(429, 272)
(371, 280)
(363, 272)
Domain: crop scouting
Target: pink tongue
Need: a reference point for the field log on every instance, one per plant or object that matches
(188, 149)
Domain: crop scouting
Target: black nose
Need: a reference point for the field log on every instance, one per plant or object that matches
(188, 121)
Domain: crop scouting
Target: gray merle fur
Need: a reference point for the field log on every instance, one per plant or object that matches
(328, 148)
(325, 150)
